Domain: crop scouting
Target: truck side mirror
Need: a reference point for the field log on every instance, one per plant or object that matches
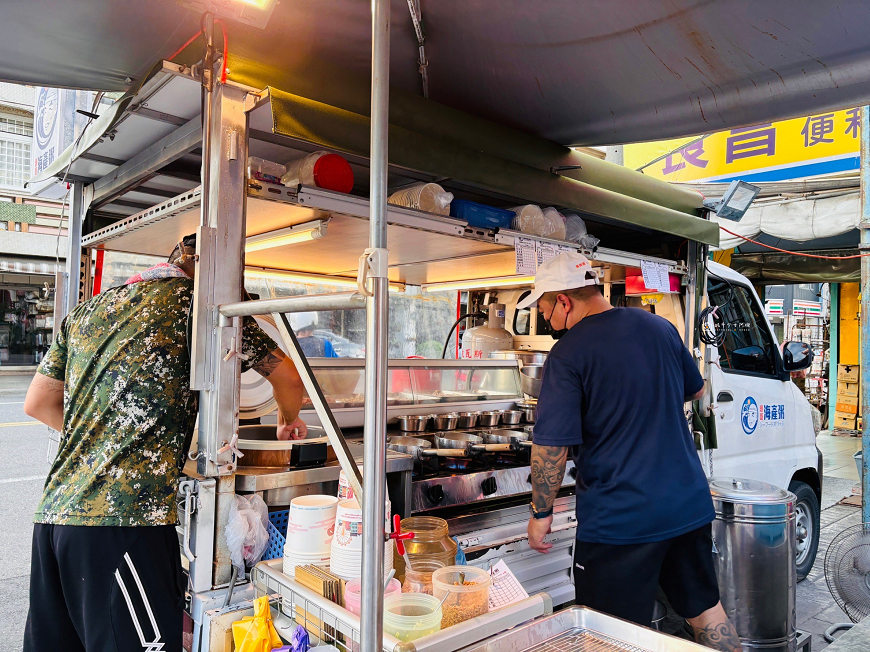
(750, 358)
(796, 356)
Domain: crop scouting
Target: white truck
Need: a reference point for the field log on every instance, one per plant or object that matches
(764, 424)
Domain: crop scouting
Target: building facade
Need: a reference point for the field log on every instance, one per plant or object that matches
(32, 239)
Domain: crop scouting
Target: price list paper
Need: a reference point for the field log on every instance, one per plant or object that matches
(527, 257)
(655, 276)
(506, 588)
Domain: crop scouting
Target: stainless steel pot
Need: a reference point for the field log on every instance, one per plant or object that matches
(489, 418)
(468, 419)
(511, 417)
(447, 421)
(412, 423)
(420, 448)
(523, 355)
(447, 440)
(530, 379)
(754, 553)
(528, 410)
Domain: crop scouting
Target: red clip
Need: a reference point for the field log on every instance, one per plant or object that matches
(398, 535)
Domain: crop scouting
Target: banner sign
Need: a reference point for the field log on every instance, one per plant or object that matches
(826, 143)
(56, 124)
(806, 308)
(774, 307)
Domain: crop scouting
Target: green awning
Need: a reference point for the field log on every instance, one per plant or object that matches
(345, 131)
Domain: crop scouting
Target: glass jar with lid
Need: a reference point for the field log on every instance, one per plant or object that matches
(431, 542)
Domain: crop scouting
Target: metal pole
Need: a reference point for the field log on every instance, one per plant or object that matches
(864, 247)
(74, 247)
(377, 328)
(833, 352)
(305, 303)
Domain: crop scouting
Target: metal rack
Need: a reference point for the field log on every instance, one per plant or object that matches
(331, 624)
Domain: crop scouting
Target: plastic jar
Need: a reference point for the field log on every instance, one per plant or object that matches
(418, 579)
(431, 542)
(464, 600)
(352, 594)
(409, 616)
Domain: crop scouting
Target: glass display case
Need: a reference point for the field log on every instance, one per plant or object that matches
(415, 386)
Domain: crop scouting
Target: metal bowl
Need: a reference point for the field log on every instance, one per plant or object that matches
(528, 411)
(468, 419)
(511, 417)
(446, 421)
(489, 418)
(530, 379)
(413, 423)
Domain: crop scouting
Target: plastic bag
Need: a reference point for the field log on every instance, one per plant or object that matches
(547, 223)
(256, 633)
(429, 197)
(575, 231)
(246, 530)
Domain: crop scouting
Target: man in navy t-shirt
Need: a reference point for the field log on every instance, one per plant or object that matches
(613, 392)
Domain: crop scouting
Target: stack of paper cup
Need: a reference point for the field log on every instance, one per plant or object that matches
(346, 549)
(310, 528)
(345, 491)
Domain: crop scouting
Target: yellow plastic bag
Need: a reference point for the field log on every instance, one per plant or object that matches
(256, 633)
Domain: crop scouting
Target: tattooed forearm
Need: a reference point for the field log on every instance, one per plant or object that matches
(267, 365)
(719, 636)
(548, 469)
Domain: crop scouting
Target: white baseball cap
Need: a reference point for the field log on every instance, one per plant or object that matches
(567, 271)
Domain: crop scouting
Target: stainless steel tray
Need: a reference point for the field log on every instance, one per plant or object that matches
(578, 629)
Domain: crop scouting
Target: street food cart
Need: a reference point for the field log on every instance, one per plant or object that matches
(170, 158)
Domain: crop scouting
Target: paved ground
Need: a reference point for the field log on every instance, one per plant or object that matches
(23, 466)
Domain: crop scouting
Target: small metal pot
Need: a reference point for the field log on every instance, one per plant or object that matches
(528, 411)
(530, 379)
(413, 423)
(511, 417)
(446, 421)
(468, 419)
(489, 419)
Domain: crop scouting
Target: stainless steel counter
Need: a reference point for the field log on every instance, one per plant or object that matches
(278, 487)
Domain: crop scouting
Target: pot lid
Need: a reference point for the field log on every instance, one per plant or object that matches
(743, 490)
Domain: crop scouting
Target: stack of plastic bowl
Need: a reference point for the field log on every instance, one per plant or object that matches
(346, 548)
(409, 616)
(310, 527)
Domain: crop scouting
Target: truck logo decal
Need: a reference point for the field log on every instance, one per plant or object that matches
(749, 415)
(764, 415)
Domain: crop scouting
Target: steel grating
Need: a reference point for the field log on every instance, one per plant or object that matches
(584, 640)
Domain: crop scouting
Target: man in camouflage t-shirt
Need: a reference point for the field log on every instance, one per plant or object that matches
(106, 571)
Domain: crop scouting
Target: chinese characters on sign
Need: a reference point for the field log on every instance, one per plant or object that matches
(821, 144)
(750, 141)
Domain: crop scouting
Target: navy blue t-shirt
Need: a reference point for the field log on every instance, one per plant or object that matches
(614, 386)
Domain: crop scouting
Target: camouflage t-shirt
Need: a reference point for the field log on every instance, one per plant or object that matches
(128, 407)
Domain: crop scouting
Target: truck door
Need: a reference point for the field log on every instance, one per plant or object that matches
(753, 403)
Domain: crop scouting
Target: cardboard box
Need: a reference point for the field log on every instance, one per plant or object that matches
(847, 373)
(846, 408)
(847, 389)
(847, 400)
(844, 421)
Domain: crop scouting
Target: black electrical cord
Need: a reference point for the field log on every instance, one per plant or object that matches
(714, 335)
(472, 315)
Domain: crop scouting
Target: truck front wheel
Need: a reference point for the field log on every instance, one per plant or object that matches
(807, 522)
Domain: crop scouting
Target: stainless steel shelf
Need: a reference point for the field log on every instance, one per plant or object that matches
(424, 248)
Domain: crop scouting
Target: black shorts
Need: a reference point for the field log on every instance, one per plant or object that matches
(623, 580)
(105, 589)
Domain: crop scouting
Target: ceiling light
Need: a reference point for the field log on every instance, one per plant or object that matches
(250, 12)
(735, 202)
(290, 235)
(481, 283)
(309, 279)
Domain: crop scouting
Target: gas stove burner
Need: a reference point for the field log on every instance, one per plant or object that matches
(510, 459)
(463, 464)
